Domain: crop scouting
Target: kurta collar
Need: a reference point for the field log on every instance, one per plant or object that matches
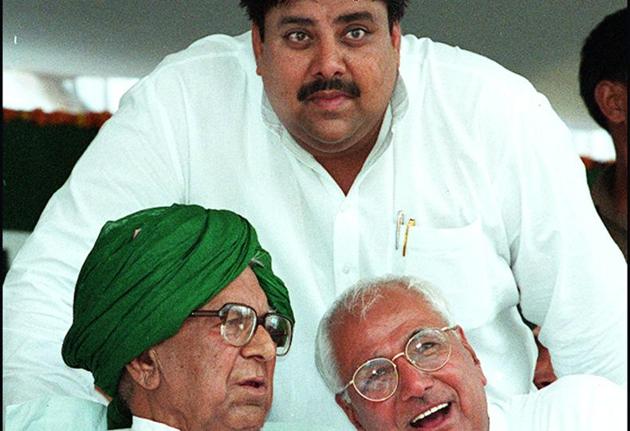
(142, 424)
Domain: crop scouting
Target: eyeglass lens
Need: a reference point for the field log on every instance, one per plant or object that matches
(428, 350)
(377, 379)
(279, 328)
(240, 322)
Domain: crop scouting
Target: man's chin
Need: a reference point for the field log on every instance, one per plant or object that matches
(327, 143)
(247, 417)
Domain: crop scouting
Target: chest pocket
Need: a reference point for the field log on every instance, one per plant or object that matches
(460, 263)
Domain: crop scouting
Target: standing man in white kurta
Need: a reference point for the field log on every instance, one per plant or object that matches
(356, 152)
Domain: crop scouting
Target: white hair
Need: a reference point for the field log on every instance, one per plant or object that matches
(357, 301)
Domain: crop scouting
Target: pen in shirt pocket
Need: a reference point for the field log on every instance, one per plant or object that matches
(400, 222)
(410, 223)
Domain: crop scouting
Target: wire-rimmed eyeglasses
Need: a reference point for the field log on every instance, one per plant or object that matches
(428, 349)
(239, 323)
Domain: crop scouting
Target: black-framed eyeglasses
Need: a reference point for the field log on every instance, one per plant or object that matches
(239, 323)
(428, 349)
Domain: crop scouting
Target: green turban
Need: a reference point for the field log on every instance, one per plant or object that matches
(146, 273)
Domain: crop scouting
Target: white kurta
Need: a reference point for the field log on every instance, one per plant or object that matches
(59, 413)
(474, 155)
(575, 403)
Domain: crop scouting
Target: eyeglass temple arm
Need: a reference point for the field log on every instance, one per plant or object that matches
(204, 313)
(345, 388)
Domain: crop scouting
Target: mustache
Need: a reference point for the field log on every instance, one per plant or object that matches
(348, 87)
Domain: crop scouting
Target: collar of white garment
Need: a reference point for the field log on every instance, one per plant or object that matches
(395, 111)
(142, 424)
(497, 417)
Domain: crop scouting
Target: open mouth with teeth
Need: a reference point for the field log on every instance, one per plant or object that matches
(432, 417)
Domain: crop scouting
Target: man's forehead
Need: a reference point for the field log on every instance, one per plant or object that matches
(261, 307)
(396, 305)
(389, 323)
(289, 19)
(245, 289)
(338, 3)
(339, 10)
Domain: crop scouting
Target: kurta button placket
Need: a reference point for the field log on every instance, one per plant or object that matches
(346, 245)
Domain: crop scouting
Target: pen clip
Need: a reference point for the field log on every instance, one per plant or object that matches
(410, 223)
(400, 220)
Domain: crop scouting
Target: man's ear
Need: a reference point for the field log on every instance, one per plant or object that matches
(395, 35)
(144, 370)
(348, 409)
(468, 348)
(257, 45)
(612, 99)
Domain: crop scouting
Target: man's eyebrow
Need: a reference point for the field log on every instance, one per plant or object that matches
(343, 19)
(356, 16)
(299, 20)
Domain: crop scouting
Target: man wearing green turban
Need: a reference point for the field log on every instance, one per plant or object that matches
(167, 310)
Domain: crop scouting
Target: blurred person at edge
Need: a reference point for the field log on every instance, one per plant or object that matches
(604, 88)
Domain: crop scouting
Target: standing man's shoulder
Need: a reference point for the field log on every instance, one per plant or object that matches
(439, 61)
(214, 75)
(217, 60)
(467, 92)
(212, 48)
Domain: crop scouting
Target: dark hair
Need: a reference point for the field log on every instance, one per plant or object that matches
(257, 9)
(604, 57)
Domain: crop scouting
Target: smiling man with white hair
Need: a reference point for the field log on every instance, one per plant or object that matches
(394, 358)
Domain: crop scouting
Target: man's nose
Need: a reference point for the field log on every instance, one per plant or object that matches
(412, 381)
(328, 60)
(260, 347)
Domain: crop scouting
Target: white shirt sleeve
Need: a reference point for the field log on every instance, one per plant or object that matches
(576, 403)
(56, 413)
(129, 166)
(572, 277)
